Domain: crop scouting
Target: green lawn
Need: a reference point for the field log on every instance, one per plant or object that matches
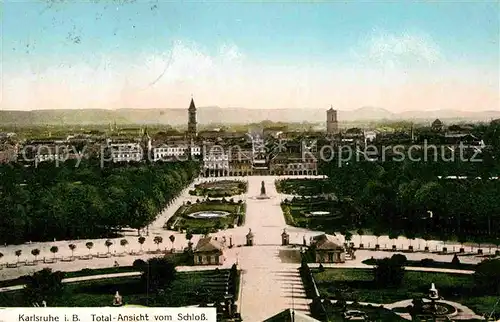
(304, 187)
(216, 189)
(373, 313)
(83, 272)
(181, 219)
(430, 263)
(189, 288)
(295, 215)
(357, 284)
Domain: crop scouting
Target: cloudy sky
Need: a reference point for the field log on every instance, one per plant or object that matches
(155, 54)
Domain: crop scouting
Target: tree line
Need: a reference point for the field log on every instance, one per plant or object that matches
(69, 202)
(408, 198)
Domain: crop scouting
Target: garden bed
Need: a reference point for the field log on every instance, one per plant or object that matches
(297, 212)
(218, 189)
(358, 285)
(189, 288)
(182, 220)
(303, 187)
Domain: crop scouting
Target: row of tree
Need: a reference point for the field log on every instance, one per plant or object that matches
(108, 243)
(85, 201)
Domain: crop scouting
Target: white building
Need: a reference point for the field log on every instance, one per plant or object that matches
(215, 162)
(126, 152)
(175, 152)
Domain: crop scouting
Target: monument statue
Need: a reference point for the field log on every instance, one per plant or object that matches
(433, 293)
(118, 299)
(262, 192)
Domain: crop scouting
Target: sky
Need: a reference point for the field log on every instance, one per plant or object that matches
(398, 55)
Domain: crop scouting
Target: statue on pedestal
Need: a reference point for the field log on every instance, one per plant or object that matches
(433, 293)
(118, 299)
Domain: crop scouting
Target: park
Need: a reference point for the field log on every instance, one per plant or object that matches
(268, 258)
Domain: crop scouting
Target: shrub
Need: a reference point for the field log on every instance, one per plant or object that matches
(139, 264)
(399, 259)
(427, 262)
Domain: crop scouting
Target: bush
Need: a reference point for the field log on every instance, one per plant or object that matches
(139, 264)
(399, 259)
(389, 272)
(427, 262)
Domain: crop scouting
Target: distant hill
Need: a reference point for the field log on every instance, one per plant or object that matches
(231, 115)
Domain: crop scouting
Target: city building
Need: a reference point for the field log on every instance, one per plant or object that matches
(215, 161)
(332, 124)
(179, 151)
(437, 125)
(126, 152)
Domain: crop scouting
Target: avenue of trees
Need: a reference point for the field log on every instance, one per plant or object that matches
(407, 197)
(68, 202)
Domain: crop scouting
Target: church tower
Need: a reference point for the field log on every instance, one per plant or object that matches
(332, 124)
(192, 119)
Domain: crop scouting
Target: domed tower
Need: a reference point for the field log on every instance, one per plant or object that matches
(192, 120)
(332, 124)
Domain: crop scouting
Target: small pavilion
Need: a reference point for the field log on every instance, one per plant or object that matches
(328, 249)
(209, 251)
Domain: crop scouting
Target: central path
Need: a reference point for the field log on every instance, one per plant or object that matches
(270, 281)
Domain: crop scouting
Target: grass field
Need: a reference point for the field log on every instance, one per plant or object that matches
(181, 219)
(217, 189)
(189, 288)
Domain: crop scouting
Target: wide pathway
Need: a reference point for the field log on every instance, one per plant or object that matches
(270, 280)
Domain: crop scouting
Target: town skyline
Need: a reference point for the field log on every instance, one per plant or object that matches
(400, 57)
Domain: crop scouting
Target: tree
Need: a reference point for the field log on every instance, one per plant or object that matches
(139, 264)
(18, 254)
(35, 252)
(360, 232)
(172, 239)
(43, 285)
(123, 243)
(189, 235)
(54, 250)
(377, 232)
(393, 235)
(89, 246)
(158, 240)
(389, 272)
(72, 247)
(410, 235)
(141, 241)
(487, 276)
(158, 274)
(347, 236)
(1, 255)
(108, 243)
